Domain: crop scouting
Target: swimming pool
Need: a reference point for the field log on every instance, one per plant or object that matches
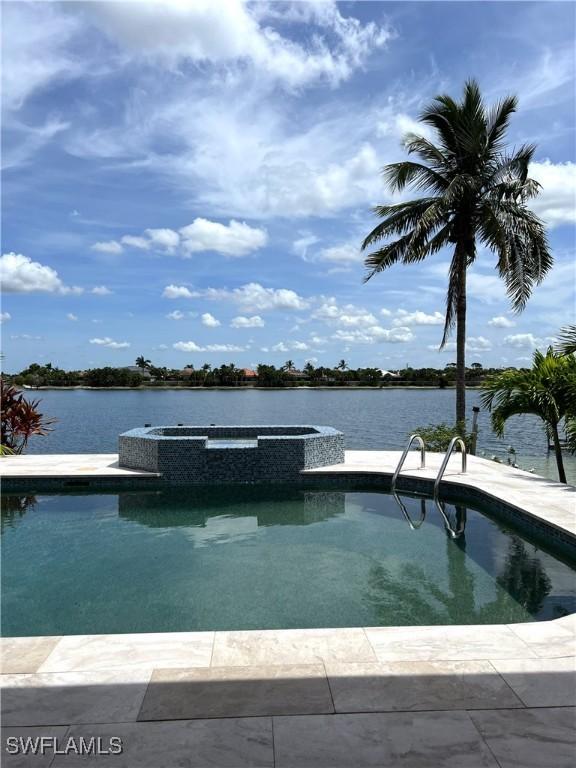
(263, 557)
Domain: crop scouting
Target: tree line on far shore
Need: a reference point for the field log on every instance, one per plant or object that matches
(144, 373)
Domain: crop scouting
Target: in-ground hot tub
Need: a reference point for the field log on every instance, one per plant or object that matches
(230, 454)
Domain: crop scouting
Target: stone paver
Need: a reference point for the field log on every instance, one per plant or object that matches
(226, 743)
(548, 639)
(72, 697)
(447, 643)
(541, 682)
(144, 651)
(68, 465)
(290, 646)
(421, 685)
(236, 692)
(418, 740)
(24, 654)
(530, 738)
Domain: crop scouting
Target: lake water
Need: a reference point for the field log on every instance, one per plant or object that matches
(372, 419)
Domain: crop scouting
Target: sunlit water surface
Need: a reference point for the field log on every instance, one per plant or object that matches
(90, 421)
(247, 557)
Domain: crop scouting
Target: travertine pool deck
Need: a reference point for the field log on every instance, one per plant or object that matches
(501, 696)
(68, 465)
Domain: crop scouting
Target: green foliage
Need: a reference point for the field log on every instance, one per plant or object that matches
(437, 436)
(567, 340)
(547, 390)
(20, 420)
(270, 376)
(112, 377)
(475, 192)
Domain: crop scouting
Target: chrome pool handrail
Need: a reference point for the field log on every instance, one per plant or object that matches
(455, 440)
(454, 533)
(413, 525)
(405, 454)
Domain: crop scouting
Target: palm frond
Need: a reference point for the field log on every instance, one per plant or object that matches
(499, 120)
(567, 340)
(399, 175)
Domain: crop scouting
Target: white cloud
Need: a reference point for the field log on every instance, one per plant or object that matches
(34, 44)
(522, 340)
(101, 290)
(488, 289)
(71, 316)
(135, 241)
(300, 247)
(348, 315)
(404, 318)
(108, 246)
(473, 344)
(177, 292)
(25, 337)
(191, 346)
(251, 296)
(385, 312)
(345, 253)
(171, 32)
(19, 274)
(163, 239)
(501, 322)
(110, 343)
(556, 203)
(235, 239)
(478, 344)
(209, 320)
(247, 322)
(374, 334)
(176, 315)
(5, 316)
(290, 346)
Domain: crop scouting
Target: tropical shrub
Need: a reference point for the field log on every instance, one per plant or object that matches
(437, 436)
(547, 390)
(20, 420)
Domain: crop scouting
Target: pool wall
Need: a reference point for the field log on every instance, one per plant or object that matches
(230, 454)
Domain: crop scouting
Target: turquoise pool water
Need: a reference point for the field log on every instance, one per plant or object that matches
(248, 557)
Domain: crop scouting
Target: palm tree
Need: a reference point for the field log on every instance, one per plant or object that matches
(141, 362)
(567, 345)
(342, 365)
(547, 390)
(476, 193)
(309, 368)
(289, 365)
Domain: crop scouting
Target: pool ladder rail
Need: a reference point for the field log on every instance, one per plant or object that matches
(454, 533)
(412, 438)
(453, 443)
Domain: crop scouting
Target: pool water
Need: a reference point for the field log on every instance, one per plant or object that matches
(259, 557)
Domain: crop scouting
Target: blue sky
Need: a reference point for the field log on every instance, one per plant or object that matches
(192, 184)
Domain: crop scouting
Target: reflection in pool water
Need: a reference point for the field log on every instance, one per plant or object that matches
(247, 557)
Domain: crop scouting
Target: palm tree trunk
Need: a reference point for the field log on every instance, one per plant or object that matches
(461, 343)
(558, 452)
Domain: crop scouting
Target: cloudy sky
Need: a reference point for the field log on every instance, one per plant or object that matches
(192, 184)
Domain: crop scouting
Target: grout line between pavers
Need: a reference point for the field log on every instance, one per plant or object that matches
(212, 651)
(273, 742)
(516, 695)
(329, 686)
(54, 756)
(483, 739)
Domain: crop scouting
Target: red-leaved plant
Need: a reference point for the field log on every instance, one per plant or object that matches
(20, 419)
